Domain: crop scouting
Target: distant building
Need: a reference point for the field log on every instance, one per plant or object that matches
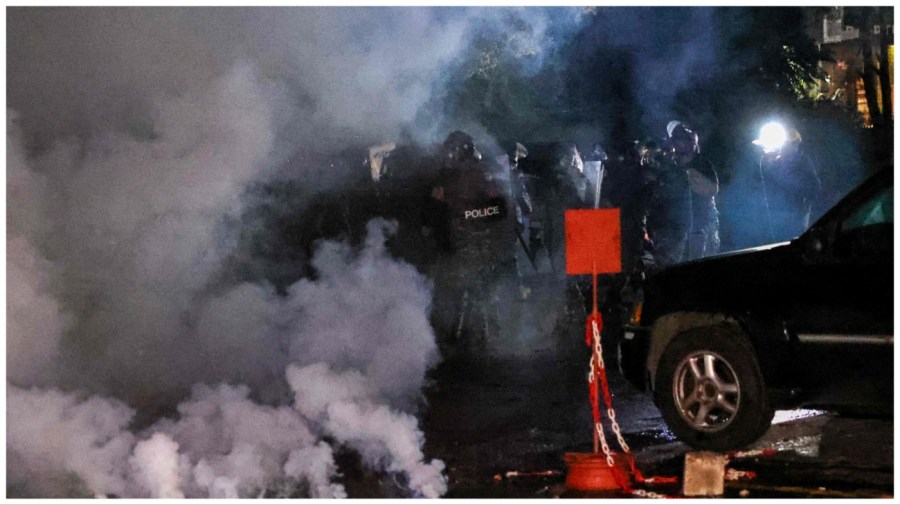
(844, 76)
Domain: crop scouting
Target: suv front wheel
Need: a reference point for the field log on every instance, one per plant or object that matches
(710, 389)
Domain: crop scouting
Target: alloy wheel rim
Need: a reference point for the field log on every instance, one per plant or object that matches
(707, 391)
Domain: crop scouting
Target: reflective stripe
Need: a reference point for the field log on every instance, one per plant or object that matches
(846, 339)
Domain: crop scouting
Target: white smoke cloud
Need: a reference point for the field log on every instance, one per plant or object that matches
(60, 445)
(315, 465)
(235, 447)
(133, 237)
(152, 323)
(354, 72)
(136, 173)
(174, 331)
(155, 462)
(35, 320)
(342, 405)
(222, 445)
(382, 332)
(132, 136)
(35, 324)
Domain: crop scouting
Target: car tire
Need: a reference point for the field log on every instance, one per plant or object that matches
(710, 390)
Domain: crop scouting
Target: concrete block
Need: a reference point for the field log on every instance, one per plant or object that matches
(704, 474)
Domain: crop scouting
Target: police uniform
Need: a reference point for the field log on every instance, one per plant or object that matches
(480, 232)
(791, 187)
(669, 215)
(704, 237)
(472, 222)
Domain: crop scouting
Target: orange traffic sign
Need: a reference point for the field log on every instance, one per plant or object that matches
(593, 241)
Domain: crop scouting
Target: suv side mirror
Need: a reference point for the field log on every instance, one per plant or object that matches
(813, 245)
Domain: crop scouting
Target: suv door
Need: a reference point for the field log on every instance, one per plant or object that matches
(842, 325)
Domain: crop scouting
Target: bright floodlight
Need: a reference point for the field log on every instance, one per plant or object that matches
(771, 137)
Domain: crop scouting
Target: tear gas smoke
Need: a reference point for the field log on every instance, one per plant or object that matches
(222, 443)
(155, 462)
(132, 134)
(138, 365)
(351, 70)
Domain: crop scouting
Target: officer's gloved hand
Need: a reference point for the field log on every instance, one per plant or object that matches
(426, 231)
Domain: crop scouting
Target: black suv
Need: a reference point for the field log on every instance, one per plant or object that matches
(720, 342)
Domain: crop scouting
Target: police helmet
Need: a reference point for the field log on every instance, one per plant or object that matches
(460, 146)
(648, 151)
(671, 126)
(684, 140)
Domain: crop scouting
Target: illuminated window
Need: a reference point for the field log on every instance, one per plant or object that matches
(891, 73)
(861, 104)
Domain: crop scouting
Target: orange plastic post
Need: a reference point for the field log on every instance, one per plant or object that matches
(591, 472)
(595, 314)
(593, 246)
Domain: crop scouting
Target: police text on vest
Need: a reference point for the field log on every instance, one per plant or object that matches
(485, 212)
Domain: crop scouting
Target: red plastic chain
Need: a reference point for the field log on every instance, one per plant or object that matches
(598, 369)
(589, 340)
(596, 319)
(592, 389)
(750, 454)
(732, 474)
(589, 328)
(621, 480)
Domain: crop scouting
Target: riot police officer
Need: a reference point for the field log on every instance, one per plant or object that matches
(668, 214)
(684, 144)
(470, 220)
(790, 188)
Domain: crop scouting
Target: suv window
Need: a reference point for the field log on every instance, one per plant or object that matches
(866, 235)
(878, 210)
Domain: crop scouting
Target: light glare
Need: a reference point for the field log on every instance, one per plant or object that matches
(771, 137)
